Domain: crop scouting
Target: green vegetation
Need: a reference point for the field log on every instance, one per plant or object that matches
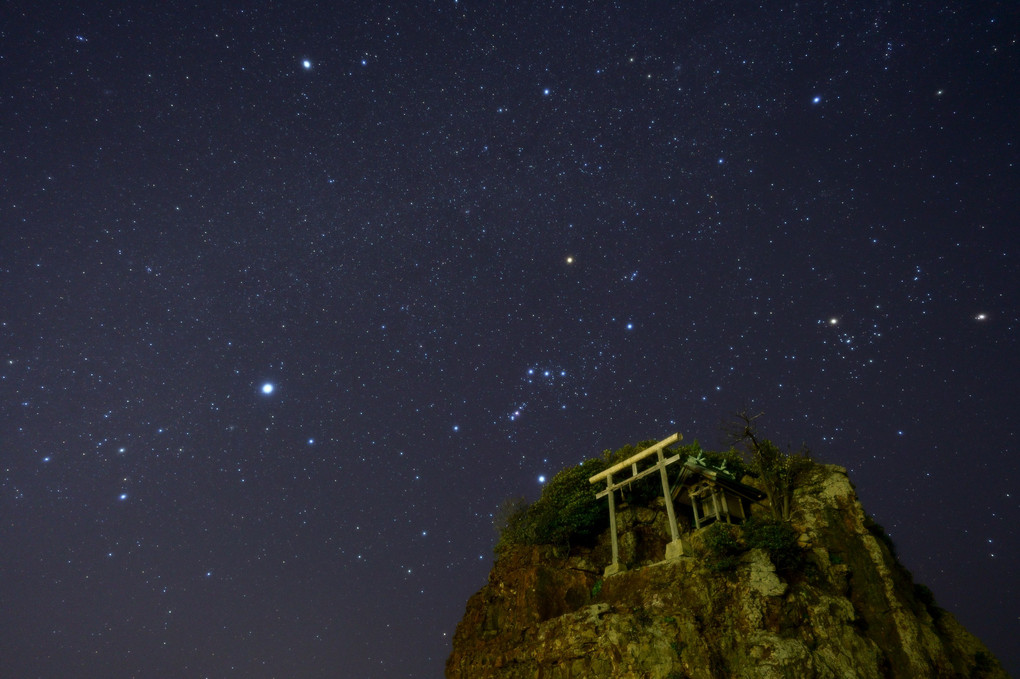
(642, 491)
(724, 546)
(726, 543)
(778, 539)
(779, 472)
(568, 512)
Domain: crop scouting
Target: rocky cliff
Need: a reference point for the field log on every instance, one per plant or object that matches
(843, 607)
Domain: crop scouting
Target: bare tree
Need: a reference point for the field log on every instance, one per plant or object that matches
(778, 471)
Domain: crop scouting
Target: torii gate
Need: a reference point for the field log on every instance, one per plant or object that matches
(674, 549)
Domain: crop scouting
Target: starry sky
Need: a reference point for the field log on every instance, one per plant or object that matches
(293, 295)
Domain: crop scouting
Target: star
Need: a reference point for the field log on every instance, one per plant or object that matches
(406, 253)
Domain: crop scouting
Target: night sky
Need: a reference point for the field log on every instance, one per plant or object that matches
(292, 296)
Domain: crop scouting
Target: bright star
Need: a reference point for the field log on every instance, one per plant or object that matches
(122, 496)
(816, 100)
(981, 317)
(267, 388)
(307, 64)
(541, 479)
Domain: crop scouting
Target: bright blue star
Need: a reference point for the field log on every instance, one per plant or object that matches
(541, 479)
(122, 496)
(307, 64)
(267, 388)
(816, 100)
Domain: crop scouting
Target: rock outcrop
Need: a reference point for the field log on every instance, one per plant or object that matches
(847, 610)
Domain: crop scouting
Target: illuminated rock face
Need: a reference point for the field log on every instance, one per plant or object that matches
(848, 609)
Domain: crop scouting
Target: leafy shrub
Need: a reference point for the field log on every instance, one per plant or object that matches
(779, 471)
(566, 511)
(511, 522)
(726, 543)
(723, 543)
(778, 539)
(568, 507)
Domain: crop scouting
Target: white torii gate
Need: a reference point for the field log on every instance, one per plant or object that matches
(674, 549)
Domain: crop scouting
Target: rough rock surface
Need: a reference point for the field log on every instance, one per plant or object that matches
(850, 611)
